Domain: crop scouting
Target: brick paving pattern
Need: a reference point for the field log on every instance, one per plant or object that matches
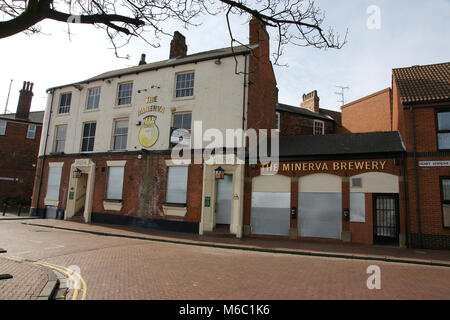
(26, 284)
(124, 268)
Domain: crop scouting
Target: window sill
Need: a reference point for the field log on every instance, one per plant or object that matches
(183, 98)
(92, 110)
(175, 209)
(112, 205)
(51, 202)
(63, 114)
(120, 106)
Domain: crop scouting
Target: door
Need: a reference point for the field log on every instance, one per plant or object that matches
(223, 200)
(386, 219)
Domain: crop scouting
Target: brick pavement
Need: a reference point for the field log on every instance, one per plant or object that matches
(385, 253)
(26, 284)
(127, 268)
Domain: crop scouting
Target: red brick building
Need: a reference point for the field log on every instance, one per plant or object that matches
(418, 107)
(20, 134)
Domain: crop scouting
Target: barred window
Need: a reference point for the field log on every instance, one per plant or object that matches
(185, 85)
(445, 195)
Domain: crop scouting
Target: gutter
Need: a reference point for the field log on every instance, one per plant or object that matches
(416, 176)
(119, 74)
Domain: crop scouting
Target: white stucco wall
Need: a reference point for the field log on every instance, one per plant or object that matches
(217, 101)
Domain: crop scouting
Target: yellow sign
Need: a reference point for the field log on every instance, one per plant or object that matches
(149, 133)
(323, 166)
(152, 108)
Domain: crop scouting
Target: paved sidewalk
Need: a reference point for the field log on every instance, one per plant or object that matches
(28, 282)
(347, 251)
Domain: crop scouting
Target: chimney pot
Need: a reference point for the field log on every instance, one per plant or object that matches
(142, 60)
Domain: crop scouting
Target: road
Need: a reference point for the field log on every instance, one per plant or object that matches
(121, 268)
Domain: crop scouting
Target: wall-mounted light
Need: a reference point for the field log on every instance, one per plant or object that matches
(77, 173)
(155, 86)
(139, 91)
(220, 173)
(108, 81)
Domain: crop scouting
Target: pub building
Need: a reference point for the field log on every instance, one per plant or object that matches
(105, 156)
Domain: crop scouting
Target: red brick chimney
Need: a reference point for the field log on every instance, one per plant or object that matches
(178, 46)
(24, 105)
(311, 101)
(259, 35)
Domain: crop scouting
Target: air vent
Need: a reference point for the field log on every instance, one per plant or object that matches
(357, 182)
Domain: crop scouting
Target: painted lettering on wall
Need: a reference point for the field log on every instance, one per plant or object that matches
(152, 108)
(324, 166)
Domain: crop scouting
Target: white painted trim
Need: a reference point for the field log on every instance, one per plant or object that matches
(112, 206)
(118, 163)
(56, 164)
(183, 163)
(174, 211)
(51, 202)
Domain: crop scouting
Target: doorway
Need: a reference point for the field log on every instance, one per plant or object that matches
(385, 219)
(223, 202)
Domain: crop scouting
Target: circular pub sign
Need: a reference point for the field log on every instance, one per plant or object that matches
(149, 133)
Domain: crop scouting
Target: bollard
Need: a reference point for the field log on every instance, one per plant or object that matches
(5, 206)
(19, 209)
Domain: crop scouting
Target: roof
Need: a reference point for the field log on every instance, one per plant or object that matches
(305, 112)
(341, 144)
(423, 84)
(193, 58)
(34, 117)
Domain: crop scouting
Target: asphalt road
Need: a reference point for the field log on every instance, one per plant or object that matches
(121, 268)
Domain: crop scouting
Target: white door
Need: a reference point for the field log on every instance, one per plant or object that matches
(223, 200)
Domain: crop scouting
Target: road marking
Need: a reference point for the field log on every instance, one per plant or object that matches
(57, 246)
(73, 275)
(70, 274)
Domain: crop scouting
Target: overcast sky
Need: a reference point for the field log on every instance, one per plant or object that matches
(412, 32)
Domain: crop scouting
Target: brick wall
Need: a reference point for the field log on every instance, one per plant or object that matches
(144, 191)
(292, 124)
(369, 114)
(18, 155)
(262, 86)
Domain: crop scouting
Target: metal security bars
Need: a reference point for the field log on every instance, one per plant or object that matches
(386, 219)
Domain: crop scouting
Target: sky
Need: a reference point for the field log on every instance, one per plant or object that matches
(403, 34)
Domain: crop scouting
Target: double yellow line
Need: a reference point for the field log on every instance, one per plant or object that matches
(75, 278)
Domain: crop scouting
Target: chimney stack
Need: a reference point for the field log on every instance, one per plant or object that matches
(142, 60)
(24, 104)
(259, 35)
(311, 101)
(178, 46)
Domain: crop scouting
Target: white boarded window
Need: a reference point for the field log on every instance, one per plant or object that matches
(357, 207)
(31, 134)
(277, 121)
(2, 127)
(54, 180)
(115, 183)
(177, 185)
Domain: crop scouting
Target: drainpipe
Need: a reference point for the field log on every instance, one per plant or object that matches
(416, 175)
(45, 150)
(243, 99)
